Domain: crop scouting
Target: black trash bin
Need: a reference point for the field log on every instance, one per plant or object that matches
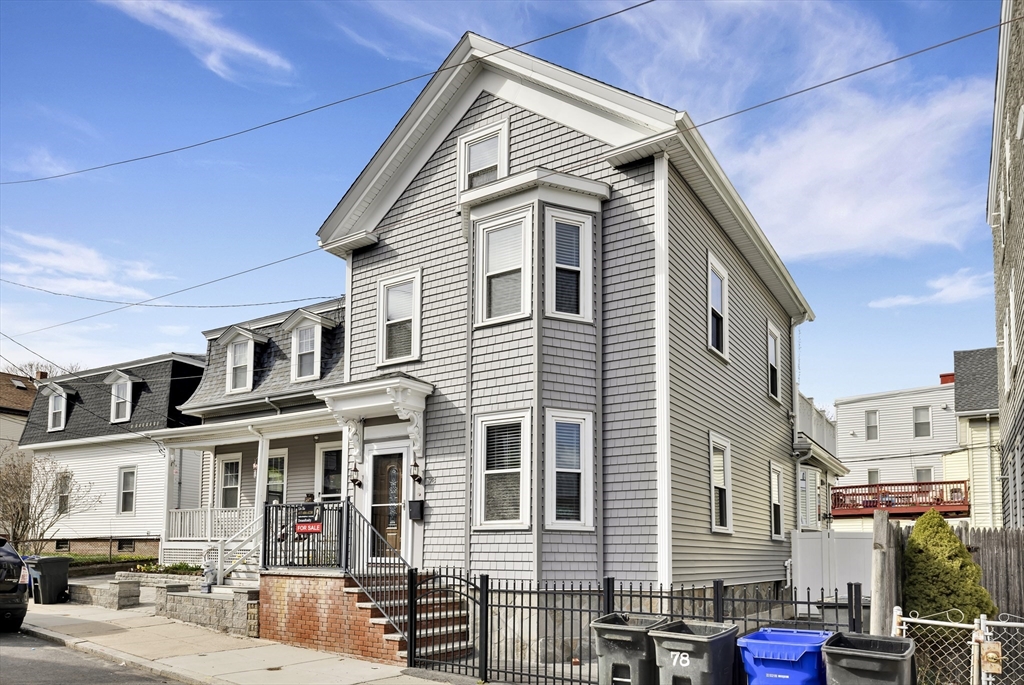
(625, 651)
(856, 659)
(52, 573)
(695, 652)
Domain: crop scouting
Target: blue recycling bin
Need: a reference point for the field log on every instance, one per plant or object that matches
(780, 655)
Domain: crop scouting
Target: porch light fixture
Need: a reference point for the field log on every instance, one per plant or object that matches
(353, 476)
(255, 468)
(414, 472)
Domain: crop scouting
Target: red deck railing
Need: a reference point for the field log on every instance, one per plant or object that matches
(949, 497)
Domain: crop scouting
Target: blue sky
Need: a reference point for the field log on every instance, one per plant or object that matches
(872, 190)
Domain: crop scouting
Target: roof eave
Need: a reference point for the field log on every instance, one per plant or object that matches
(1002, 61)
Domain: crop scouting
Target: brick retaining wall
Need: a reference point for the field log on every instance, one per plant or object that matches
(159, 579)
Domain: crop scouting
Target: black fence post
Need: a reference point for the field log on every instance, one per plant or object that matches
(485, 623)
(410, 626)
(719, 601)
(609, 595)
(851, 613)
(266, 534)
(858, 609)
(343, 546)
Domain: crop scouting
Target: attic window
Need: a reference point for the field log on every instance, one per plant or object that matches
(307, 329)
(120, 394)
(238, 365)
(58, 412)
(483, 156)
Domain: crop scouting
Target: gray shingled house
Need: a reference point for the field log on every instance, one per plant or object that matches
(563, 333)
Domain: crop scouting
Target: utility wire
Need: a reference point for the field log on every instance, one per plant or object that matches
(336, 102)
(173, 306)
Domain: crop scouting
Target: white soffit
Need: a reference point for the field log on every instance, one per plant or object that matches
(605, 113)
(692, 158)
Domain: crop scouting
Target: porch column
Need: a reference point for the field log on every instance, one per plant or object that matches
(262, 457)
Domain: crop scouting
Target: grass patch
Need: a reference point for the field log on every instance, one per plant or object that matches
(90, 559)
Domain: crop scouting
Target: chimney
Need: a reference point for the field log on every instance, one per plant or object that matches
(946, 378)
(41, 375)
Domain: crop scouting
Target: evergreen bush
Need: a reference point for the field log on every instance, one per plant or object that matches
(939, 573)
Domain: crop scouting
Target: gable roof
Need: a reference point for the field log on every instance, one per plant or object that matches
(632, 126)
(16, 397)
(977, 382)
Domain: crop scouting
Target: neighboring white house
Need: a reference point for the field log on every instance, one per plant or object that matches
(92, 422)
(912, 450)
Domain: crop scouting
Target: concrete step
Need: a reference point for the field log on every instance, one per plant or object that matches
(453, 649)
(430, 633)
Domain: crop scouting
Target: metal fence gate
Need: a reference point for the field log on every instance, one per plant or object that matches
(952, 652)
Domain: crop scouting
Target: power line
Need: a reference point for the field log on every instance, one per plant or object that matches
(332, 104)
(172, 306)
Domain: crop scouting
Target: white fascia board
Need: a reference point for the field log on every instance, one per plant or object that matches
(998, 112)
(978, 414)
(600, 111)
(300, 315)
(276, 319)
(533, 178)
(171, 356)
(237, 431)
(233, 332)
(347, 243)
(117, 375)
(377, 397)
(78, 442)
(893, 393)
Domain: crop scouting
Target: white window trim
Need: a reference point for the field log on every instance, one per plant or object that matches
(272, 454)
(918, 469)
(716, 440)
(128, 402)
(466, 139)
(878, 425)
(318, 334)
(221, 460)
(231, 363)
(586, 224)
(914, 422)
(878, 476)
(714, 264)
(772, 332)
(585, 420)
(318, 479)
(416, 277)
(480, 462)
(1013, 323)
(802, 501)
(523, 215)
(135, 490)
(63, 399)
(774, 470)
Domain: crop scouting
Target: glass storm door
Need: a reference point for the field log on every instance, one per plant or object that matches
(275, 480)
(332, 478)
(386, 506)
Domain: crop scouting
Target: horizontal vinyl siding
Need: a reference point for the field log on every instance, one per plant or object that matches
(979, 463)
(247, 494)
(188, 493)
(730, 399)
(96, 468)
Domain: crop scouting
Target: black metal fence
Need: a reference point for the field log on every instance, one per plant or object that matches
(520, 631)
(285, 543)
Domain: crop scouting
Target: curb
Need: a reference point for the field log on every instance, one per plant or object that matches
(113, 655)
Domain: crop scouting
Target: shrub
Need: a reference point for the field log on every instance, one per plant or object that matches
(178, 569)
(939, 573)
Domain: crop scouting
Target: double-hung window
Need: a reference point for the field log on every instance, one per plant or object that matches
(503, 278)
(305, 352)
(277, 475)
(120, 401)
(398, 317)
(922, 422)
(923, 474)
(773, 362)
(502, 470)
(569, 458)
(230, 481)
(721, 484)
(483, 156)
(57, 414)
(239, 366)
(126, 490)
(64, 485)
(718, 307)
(776, 503)
(307, 333)
(874, 476)
(871, 424)
(569, 237)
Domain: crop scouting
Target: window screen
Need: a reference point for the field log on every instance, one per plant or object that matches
(127, 492)
(719, 487)
(399, 310)
(776, 502)
(922, 422)
(504, 259)
(305, 349)
(502, 471)
(239, 365)
(773, 365)
(717, 322)
(483, 161)
(568, 472)
(871, 425)
(567, 268)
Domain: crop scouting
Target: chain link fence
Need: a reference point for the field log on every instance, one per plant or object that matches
(1009, 634)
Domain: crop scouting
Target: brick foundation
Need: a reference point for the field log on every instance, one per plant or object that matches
(144, 548)
(311, 609)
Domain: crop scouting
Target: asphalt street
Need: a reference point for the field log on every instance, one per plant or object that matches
(26, 660)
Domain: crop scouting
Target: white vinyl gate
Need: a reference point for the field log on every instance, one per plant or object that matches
(830, 559)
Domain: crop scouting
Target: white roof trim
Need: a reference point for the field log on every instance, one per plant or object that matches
(595, 108)
(300, 315)
(278, 318)
(78, 442)
(171, 356)
(893, 393)
(47, 388)
(532, 178)
(238, 430)
(998, 112)
(116, 376)
(692, 158)
(233, 332)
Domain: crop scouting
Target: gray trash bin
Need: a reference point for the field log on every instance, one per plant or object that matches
(695, 652)
(856, 659)
(625, 651)
(52, 573)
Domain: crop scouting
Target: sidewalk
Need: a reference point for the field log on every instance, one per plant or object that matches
(196, 655)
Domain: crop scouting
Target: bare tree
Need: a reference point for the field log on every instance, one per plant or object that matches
(32, 368)
(35, 495)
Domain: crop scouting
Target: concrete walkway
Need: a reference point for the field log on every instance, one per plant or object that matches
(192, 654)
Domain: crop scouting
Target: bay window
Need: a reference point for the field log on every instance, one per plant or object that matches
(502, 464)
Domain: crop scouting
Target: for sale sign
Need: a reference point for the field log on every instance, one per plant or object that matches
(306, 520)
(310, 527)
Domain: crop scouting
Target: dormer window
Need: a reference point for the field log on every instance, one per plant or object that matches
(57, 413)
(483, 156)
(307, 331)
(120, 395)
(240, 344)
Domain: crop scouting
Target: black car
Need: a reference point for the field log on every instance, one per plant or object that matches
(14, 590)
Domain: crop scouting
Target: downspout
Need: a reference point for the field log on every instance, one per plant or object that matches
(470, 316)
(348, 318)
(988, 471)
(538, 373)
(267, 400)
(599, 422)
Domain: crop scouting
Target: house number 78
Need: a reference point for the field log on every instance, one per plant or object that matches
(680, 659)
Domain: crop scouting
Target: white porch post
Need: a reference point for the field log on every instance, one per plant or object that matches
(262, 456)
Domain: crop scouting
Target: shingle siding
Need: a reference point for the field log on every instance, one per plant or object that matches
(731, 399)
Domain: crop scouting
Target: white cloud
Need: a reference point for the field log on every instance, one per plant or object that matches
(39, 162)
(220, 49)
(962, 286)
(69, 267)
(173, 330)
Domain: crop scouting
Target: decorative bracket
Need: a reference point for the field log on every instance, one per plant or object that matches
(413, 413)
(355, 438)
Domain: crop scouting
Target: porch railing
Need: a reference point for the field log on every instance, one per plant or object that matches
(338, 536)
(207, 523)
(948, 497)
